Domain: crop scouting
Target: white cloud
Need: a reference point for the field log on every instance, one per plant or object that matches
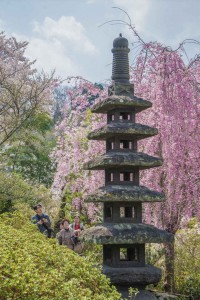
(51, 55)
(58, 44)
(66, 29)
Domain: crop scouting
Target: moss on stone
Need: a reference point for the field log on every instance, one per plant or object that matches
(131, 130)
(125, 233)
(126, 193)
(123, 159)
(117, 101)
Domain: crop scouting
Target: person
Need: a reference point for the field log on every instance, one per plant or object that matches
(66, 235)
(77, 226)
(42, 221)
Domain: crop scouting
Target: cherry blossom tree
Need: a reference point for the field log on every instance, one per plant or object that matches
(173, 87)
(23, 90)
(73, 148)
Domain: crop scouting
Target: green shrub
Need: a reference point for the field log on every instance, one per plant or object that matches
(192, 223)
(187, 263)
(33, 267)
(190, 286)
(14, 189)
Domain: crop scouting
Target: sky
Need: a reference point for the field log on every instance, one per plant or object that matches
(69, 35)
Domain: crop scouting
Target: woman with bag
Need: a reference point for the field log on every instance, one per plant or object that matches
(77, 227)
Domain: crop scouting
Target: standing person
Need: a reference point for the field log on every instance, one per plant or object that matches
(77, 226)
(66, 235)
(42, 220)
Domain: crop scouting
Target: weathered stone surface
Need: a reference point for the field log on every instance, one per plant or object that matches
(121, 106)
(123, 159)
(122, 102)
(120, 66)
(133, 276)
(165, 296)
(145, 295)
(125, 233)
(128, 130)
(117, 193)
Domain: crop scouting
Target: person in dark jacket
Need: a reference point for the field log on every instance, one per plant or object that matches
(42, 221)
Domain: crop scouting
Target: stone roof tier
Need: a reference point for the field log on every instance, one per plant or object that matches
(120, 193)
(121, 102)
(123, 159)
(127, 130)
(125, 233)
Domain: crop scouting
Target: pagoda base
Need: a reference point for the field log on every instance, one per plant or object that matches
(138, 277)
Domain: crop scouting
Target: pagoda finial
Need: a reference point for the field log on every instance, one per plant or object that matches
(120, 68)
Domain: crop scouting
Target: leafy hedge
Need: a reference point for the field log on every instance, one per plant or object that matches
(33, 267)
(187, 263)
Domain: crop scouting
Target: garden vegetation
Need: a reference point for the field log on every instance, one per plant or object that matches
(33, 267)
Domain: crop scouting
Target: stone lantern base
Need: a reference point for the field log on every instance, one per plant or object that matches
(133, 277)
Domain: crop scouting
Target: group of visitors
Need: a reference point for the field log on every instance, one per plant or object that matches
(68, 234)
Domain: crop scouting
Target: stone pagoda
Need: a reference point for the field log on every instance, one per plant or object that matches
(122, 233)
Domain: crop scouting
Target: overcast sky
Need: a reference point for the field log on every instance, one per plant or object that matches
(65, 34)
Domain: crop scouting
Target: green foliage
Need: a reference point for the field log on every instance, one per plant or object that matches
(132, 292)
(88, 120)
(187, 263)
(154, 254)
(192, 223)
(41, 121)
(190, 286)
(66, 208)
(94, 254)
(30, 148)
(14, 189)
(33, 267)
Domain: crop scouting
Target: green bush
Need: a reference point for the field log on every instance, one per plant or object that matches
(33, 267)
(14, 189)
(187, 263)
(190, 286)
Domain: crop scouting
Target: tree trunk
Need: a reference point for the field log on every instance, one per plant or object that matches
(169, 285)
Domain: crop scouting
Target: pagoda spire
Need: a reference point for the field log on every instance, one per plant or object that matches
(120, 66)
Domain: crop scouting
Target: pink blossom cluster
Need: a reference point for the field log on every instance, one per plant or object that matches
(74, 149)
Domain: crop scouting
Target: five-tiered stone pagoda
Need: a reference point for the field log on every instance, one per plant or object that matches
(122, 233)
